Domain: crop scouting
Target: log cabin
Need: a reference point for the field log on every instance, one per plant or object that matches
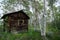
(17, 21)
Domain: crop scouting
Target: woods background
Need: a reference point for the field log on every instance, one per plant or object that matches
(44, 17)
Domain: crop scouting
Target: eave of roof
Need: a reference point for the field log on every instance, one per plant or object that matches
(21, 11)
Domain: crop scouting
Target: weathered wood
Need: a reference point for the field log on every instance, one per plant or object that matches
(17, 21)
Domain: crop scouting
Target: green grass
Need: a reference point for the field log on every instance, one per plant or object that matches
(21, 36)
(30, 35)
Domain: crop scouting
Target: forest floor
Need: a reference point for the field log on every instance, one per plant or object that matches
(20, 36)
(30, 35)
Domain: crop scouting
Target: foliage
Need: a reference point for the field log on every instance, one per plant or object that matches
(56, 23)
(34, 9)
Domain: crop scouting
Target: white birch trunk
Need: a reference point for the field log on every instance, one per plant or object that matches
(43, 23)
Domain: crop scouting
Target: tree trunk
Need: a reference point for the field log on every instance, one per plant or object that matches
(43, 25)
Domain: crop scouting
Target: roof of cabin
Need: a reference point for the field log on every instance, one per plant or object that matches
(21, 11)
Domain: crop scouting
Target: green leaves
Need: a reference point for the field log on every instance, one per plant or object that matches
(51, 2)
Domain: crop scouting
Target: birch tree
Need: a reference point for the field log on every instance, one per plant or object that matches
(43, 25)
